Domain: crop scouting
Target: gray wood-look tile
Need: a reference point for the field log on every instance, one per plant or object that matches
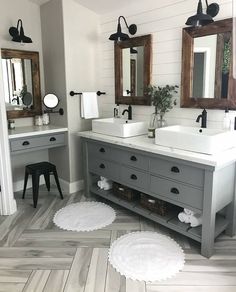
(97, 271)
(79, 270)
(36, 255)
(11, 287)
(56, 281)
(14, 276)
(37, 281)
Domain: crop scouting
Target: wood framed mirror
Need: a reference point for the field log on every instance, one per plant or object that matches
(207, 55)
(133, 59)
(21, 80)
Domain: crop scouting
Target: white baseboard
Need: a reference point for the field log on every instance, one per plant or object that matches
(67, 187)
(73, 187)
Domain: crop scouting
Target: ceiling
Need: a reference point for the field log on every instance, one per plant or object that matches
(98, 6)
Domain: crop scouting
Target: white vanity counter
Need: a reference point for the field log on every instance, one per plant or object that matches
(146, 144)
(22, 132)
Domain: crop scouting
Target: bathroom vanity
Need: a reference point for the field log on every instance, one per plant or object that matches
(34, 138)
(202, 183)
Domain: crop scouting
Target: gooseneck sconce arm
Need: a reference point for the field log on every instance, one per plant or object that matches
(119, 35)
(200, 18)
(18, 34)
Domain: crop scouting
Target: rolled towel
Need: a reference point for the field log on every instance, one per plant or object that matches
(107, 186)
(99, 184)
(196, 220)
(104, 178)
(189, 212)
(183, 217)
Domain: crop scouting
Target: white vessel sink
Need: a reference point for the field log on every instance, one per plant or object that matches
(119, 127)
(208, 141)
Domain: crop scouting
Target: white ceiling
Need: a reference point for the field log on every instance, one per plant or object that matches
(98, 6)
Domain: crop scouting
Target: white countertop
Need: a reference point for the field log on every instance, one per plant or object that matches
(146, 144)
(22, 132)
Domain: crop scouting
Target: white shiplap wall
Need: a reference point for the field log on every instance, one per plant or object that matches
(164, 20)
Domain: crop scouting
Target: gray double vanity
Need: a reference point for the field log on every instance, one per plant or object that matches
(202, 183)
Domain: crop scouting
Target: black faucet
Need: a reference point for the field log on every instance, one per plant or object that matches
(129, 111)
(203, 118)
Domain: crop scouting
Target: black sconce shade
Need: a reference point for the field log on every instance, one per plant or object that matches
(119, 35)
(19, 35)
(199, 19)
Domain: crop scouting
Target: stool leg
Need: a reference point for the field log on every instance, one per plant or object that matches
(57, 182)
(25, 183)
(47, 180)
(35, 183)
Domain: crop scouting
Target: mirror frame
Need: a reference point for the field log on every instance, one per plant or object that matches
(188, 35)
(146, 42)
(37, 104)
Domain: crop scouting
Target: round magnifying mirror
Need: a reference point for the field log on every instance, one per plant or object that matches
(27, 99)
(50, 100)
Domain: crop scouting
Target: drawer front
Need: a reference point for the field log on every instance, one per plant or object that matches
(102, 151)
(136, 160)
(134, 178)
(176, 191)
(34, 142)
(104, 168)
(180, 172)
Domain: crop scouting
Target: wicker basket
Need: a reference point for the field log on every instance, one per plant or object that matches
(125, 192)
(158, 206)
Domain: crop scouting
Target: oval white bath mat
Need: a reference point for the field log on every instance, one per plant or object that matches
(84, 216)
(146, 256)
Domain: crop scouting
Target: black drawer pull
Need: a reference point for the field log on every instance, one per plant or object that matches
(174, 191)
(102, 166)
(52, 139)
(133, 158)
(175, 169)
(25, 143)
(133, 176)
(102, 150)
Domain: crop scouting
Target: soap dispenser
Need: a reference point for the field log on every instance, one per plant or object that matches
(226, 120)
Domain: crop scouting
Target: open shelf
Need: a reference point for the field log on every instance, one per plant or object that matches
(170, 220)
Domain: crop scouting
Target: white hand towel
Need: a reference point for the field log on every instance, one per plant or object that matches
(183, 217)
(189, 212)
(196, 220)
(89, 105)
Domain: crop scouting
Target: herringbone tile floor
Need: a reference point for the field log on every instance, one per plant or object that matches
(37, 256)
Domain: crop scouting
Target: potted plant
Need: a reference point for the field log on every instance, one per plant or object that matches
(162, 99)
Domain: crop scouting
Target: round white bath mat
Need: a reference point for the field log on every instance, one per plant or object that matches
(146, 256)
(84, 216)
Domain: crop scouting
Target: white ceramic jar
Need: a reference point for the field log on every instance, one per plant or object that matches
(38, 121)
(46, 119)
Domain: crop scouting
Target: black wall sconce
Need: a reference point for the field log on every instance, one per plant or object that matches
(201, 19)
(18, 34)
(119, 35)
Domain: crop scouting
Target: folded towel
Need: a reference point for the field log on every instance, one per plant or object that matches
(196, 220)
(189, 212)
(89, 105)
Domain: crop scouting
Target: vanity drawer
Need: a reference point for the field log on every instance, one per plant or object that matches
(176, 191)
(180, 172)
(102, 151)
(136, 160)
(34, 142)
(134, 178)
(104, 168)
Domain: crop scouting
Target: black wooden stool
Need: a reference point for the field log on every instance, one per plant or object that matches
(37, 169)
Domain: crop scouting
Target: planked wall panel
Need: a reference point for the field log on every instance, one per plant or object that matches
(164, 20)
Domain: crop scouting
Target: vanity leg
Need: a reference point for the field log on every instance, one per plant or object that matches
(25, 183)
(85, 167)
(209, 215)
(35, 183)
(47, 180)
